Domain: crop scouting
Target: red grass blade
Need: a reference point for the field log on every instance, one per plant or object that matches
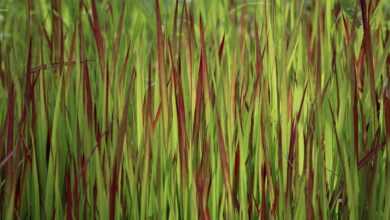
(221, 47)
(276, 201)
(119, 151)
(236, 178)
(29, 87)
(69, 197)
(203, 183)
(148, 100)
(263, 209)
(259, 63)
(6, 159)
(355, 125)
(190, 36)
(368, 51)
(86, 81)
(309, 193)
(124, 65)
(180, 109)
(376, 146)
(224, 157)
(291, 153)
(202, 78)
(10, 120)
(160, 64)
(97, 33)
(386, 107)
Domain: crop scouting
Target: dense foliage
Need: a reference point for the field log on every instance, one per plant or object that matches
(228, 109)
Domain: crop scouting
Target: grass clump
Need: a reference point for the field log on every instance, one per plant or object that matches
(194, 109)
